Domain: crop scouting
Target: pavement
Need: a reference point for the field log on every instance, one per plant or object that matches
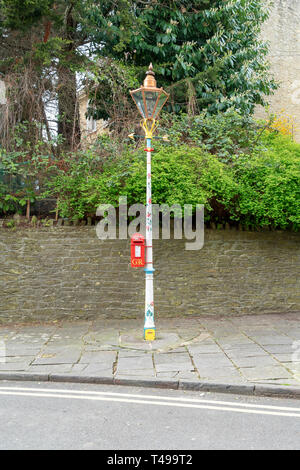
(252, 355)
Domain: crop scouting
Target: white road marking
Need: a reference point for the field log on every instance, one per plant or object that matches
(155, 397)
(155, 401)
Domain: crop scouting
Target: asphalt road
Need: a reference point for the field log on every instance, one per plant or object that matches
(74, 416)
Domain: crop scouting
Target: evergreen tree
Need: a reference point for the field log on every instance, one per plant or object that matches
(49, 42)
(208, 52)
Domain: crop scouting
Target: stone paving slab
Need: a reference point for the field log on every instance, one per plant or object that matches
(98, 357)
(261, 361)
(50, 369)
(138, 362)
(262, 373)
(247, 350)
(13, 366)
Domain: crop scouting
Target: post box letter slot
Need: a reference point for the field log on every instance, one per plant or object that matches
(137, 251)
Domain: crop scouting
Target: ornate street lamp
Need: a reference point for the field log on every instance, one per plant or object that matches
(149, 100)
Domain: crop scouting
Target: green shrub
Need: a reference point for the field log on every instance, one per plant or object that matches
(255, 187)
(180, 175)
(224, 134)
(268, 182)
(21, 171)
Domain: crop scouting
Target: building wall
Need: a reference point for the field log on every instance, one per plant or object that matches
(67, 272)
(87, 135)
(282, 30)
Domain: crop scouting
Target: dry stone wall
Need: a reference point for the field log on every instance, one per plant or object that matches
(68, 273)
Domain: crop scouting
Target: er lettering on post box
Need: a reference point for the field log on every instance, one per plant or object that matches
(137, 251)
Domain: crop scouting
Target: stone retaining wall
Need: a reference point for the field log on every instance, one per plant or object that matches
(283, 33)
(50, 274)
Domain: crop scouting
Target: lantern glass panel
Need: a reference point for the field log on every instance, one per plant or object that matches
(161, 101)
(151, 98)
(138, 99)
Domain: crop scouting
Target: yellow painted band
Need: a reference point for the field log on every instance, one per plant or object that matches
(150, 335)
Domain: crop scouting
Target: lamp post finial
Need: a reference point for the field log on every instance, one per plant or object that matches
(150, 81)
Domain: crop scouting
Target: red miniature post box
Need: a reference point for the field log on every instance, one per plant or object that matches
(137, 251)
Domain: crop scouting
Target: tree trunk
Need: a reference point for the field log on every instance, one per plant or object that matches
(28, 210)
(69, 124)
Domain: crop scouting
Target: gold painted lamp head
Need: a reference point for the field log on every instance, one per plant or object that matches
(148, 98)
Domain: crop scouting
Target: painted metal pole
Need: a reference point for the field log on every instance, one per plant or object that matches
(149, 327)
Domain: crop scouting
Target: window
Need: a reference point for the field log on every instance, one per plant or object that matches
(91, 123)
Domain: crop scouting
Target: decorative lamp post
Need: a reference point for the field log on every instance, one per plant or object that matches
(149, 100)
